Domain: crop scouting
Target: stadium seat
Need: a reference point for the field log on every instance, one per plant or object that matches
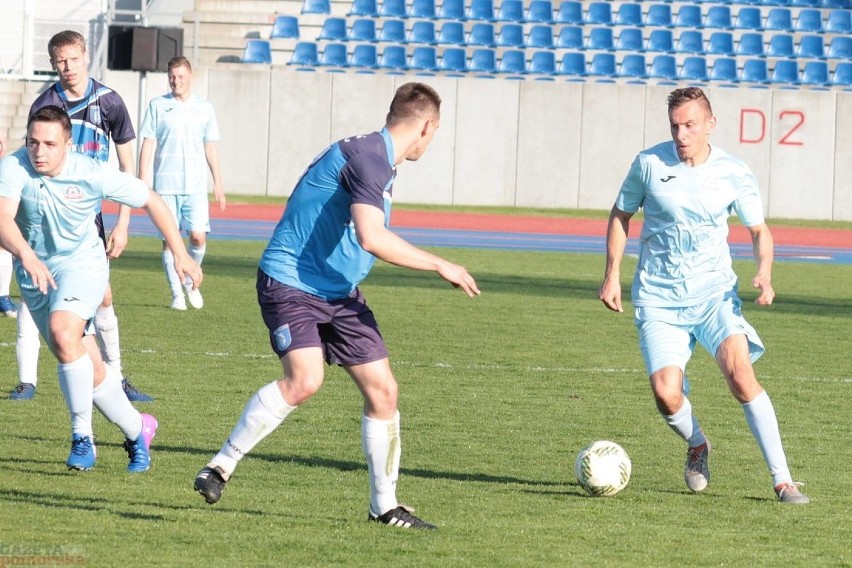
(815, 74)
(569, 12)
(689, 41)
(542, 63)
(844, 4)
(663, 67)
(748, 18)
(364, 55)
(720, 43)
(333, 29)
(316, 7)
(481, 10)
(393, 58)
(602, 65)
(483, 61)
(510, 11)
(451, 10)
(570, 37)
(393, 31)
(786, 71)
(601, 39)
(840, 48)
(540, 37)
(811, 47)
(751, 45)
(781, 45)
(333, 55)
(694, 68)
(454, 59)
(688, 16)
(661, 40)
(510, 35)
(392, 9)
(633, 66)
(572, 64)
(481, 33)
(285, 27)
(809, 21)
(424, 9)
(540, 12)
(754, 71)
(451, 33)
(629, 14)
(363, 30)
(423, 58)
(257, 51)
(779, 19)
(364, 8)
(659, 15)
(599, 13)
(718, 17)
(512, 62)
(305, 53)
(842, 76)
(839, 22)
(630, 39)
(724, 69)
(422, 31)
(813, 3)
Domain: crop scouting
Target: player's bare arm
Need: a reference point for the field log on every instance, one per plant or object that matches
(763, 247)
(376, 239)
(212, 157)
(146, 154)
(13, 241)
(616, 240)
(165, 223)
(118, 237)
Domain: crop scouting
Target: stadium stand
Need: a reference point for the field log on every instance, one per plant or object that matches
(367, 8)
(513, 62)
(570, 37)
(483, 61)
(542, 63)
(285, 27)
(510, 11)
(393, 31)
(599, 14)
(364, 55)
(392, 9)
(422, 9)
(570, 12)
(629, 15)
(422, 31)
(423, 58)
(453, 59)
(539, 12)
(540, 37)
(257, 51)
(363, 30)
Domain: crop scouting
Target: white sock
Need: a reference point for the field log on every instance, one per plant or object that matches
(110, 400)
(5, 271)
(197, 254)
(106, 325)
(264, 412)
(27, 346)
(760, 415)
(685, 424)
(171, 273)
(76, 380)
(381, 443)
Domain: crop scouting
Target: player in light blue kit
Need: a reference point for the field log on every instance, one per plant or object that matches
(685, 290)
(49, 197)
(334, 227)
(180, 132)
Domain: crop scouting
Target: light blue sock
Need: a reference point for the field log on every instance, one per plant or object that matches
(685, 424)
(76, 380)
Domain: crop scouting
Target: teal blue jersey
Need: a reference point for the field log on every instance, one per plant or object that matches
(684, 257)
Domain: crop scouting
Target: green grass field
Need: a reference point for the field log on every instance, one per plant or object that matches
(498, 394)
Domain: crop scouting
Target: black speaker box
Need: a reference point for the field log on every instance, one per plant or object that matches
(137, 48)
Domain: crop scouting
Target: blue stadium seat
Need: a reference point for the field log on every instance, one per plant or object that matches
(781, 45)
(481, 10)
(540, 12)
(364, 8)
(570, 37)
(600, 38)
(629, 14)
(392, 9)
(811, 47)
(599, 13)
(482, 33)
(513, 62)
(633, 66)
(751, 45)
(659, 15)
(839, 22)
(779, 19)
(333, 55)
(721, 43)
(333, 29)
(748, 18)
(602, 65)
(305, 53)
(316, 7)
(510, 11)
(842, 76)
(724, 69)
(815, 74)
(840, 48)
(844, 4)
(422, 31)
(542, 63)
(363, 29)
(393, 58)
(718, 17)
(510, 35)
(393, 31)
(424, 9)
(688, 16)
(694, 68)
(809, 21)
(540, 37)
(572, 64)
(630, 39)
(690, 41)
(451, 33)
(786, 71)
(754, 71)
(661, 40)
(285, 27)
(423, 58)
(663, 67)
(483, 61)
(451, 10)
(454, 59)
(364, 55)
(569, 12)
(257, 51)
(813, 3)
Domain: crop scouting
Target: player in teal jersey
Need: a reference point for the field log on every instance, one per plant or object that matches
(685, 290)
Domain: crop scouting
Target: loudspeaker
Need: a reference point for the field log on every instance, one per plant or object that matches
(137, 48)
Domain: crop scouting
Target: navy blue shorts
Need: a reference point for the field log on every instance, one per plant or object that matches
(345, 329)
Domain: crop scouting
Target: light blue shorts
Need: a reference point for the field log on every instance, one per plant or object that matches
(667, 336)
(81, 282)
(190, 212)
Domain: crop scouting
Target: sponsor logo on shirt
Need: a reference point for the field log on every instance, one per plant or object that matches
(73, 193)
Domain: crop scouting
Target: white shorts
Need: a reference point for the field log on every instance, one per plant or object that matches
(190, 212)
(667, 336)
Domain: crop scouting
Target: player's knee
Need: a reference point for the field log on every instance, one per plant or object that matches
(299, 388)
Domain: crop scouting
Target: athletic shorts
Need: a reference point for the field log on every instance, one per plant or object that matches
(190, 212)
(81, 282)
(345, 329)
(667, 336)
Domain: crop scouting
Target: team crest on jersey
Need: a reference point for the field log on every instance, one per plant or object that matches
(709, 184)
(283, 339)
(73, 193)
(94, 114)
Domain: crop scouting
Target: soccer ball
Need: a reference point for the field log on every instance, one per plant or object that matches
(602, 468)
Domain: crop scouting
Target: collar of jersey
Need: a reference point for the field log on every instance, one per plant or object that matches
(388, 145)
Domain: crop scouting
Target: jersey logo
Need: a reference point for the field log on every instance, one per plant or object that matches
(94, 114)
(73, 193)
(666, 179)
(283, 339)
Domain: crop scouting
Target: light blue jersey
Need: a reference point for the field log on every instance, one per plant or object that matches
(684, 257)
(181, 129)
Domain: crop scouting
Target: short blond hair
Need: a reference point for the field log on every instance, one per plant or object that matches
(64, 39)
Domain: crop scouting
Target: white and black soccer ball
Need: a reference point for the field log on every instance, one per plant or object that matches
(603, 468)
